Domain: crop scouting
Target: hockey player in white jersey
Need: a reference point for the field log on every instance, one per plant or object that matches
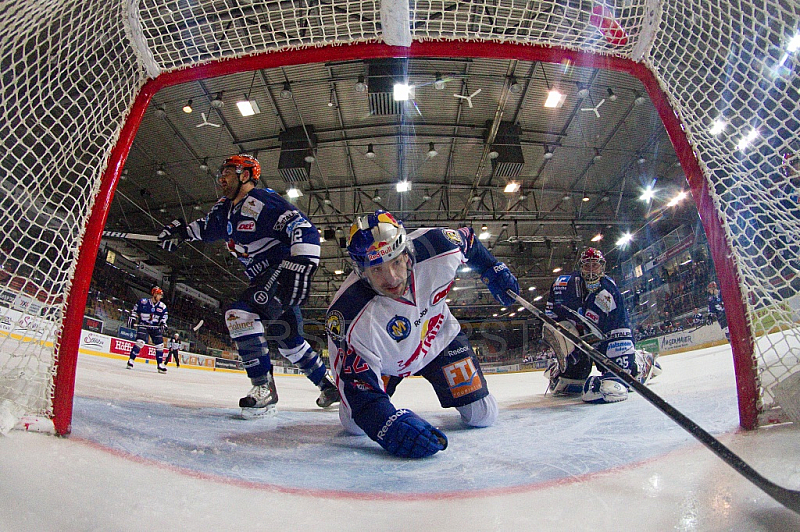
(390, 320)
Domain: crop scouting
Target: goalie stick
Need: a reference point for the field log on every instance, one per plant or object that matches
(787, 497)
(130, 236)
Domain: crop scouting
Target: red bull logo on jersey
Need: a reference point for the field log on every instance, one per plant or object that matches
(428, 333)
(462, 377)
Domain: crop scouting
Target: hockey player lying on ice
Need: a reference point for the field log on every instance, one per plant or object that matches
(390, 320)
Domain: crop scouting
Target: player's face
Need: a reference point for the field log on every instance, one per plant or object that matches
(229, 182)
(157, 297)
(390, 278)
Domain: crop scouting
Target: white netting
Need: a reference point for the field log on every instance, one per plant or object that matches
(72, 68)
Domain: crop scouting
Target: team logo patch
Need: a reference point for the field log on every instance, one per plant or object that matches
(605, 301)
(592, 316)
(441, 293)
(453, 236)
(462, 377)
(246, 226)
(562, 280)
(261, 297)
(399, 328)
(252, 207)
(334, 324)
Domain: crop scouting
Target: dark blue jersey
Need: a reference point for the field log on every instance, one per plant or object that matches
(260, 231)
(149, 313)
(605, 307)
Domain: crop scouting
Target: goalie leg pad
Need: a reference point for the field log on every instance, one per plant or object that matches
(560, 344)
(480, 413)
(604, 389)
(647, 366)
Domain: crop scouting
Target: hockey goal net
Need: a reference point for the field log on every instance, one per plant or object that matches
(77, 76)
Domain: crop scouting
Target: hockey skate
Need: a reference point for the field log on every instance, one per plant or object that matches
(260, 401)
(162, 368)
(129, 365)
(329, 393)
(559, 385)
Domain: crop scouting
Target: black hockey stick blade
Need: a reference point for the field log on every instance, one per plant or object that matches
(130, 236)
(787, 497)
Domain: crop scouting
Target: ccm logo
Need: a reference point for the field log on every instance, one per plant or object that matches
(247, 226)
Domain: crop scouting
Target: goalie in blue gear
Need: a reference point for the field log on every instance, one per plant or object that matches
(587, 301)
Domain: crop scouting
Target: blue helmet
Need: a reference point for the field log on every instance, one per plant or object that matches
(375, 239)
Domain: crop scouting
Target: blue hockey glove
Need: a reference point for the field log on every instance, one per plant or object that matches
(498, 279)
(407, 435)
(173, 234)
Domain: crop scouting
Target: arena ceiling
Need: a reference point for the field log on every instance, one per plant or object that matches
(581, 167)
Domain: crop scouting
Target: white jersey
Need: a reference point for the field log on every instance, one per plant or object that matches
(400, 337)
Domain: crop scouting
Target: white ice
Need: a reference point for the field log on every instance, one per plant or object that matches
(167, 452)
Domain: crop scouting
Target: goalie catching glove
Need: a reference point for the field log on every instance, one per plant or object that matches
(293, 283)
(173, 234)
(407, 435)
(499, 279)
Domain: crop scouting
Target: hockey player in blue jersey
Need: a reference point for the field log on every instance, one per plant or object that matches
(279, 249)
(150, 317)
(588, 301)
(716, 308)
(390, 319)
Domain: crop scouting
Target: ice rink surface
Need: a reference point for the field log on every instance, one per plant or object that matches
(168, 452)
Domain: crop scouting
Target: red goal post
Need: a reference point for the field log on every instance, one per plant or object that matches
(682, 56)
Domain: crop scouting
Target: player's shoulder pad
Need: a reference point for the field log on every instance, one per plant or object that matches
(609, 284)
(345, 309)
(431, 242)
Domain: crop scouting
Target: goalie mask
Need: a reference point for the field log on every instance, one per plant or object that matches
(593, 268)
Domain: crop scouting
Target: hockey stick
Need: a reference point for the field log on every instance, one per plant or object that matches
(787, 497)
(130, 236)
(593, 329)
(199, 324)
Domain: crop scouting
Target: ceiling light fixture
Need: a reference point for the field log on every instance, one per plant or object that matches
(161, 172)
(554, 99)
(641, 159)
(493, 153)
(598, 237)
(361, 86)
(248, 107)
(188, 107)
(597, 156)
(161, 112)
(310, 158)
(402, 92)
(217, 102)
(611, 96)
(370, 154)
(294, 192)
(403, 186)
(332, 99)
(583, 91)
(511, 187)
(439, 83)
(286, 91)
(204, 165)
(548, 152)
(567, 197)
(639, 99)
(376, 198)
(513, 85)
(432, 150)
(585, 198)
